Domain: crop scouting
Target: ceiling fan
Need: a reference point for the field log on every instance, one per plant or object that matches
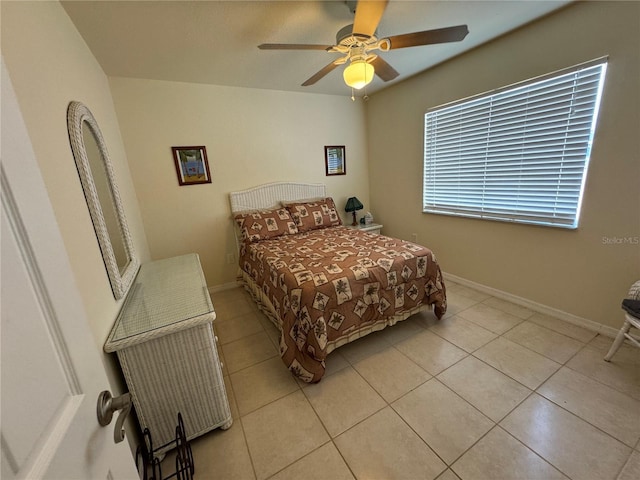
(356, 42)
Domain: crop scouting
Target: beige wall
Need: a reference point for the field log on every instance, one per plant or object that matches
(251, 136)
(574, 271)
(50, 65)
(258, 136)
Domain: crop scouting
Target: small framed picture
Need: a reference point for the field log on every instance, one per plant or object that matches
(192, 165)
(335, 162)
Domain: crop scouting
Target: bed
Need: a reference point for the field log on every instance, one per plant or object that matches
(324, 284)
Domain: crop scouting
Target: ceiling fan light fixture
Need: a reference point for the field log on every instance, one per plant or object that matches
(358, 74)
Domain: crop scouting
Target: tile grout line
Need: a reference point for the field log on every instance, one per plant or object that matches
(495, 424)
(244, 433)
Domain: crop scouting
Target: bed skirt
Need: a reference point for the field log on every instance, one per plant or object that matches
(266, 307)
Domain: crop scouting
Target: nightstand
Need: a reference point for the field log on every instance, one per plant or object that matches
(371, 228)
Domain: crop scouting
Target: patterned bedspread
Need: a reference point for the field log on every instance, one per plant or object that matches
(326, 285)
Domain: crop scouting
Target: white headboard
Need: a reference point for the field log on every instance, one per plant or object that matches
(270, 195)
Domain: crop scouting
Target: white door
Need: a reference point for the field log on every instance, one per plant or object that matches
(51, 371)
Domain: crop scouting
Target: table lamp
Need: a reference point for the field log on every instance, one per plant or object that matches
(353, 204)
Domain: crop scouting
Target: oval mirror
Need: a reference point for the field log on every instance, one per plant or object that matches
(103, 199)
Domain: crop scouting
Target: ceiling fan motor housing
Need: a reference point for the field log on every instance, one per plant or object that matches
(347, 37)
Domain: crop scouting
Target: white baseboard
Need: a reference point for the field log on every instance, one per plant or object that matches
(224, 286)
(509, 297)
(536, 307)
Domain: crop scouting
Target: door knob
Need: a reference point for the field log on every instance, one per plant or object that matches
(107, 405)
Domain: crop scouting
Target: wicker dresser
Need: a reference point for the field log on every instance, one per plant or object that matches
(167, 350)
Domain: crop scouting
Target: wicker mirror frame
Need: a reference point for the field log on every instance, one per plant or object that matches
(80, 118)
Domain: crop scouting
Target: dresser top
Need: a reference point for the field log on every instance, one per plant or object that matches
(167, 295)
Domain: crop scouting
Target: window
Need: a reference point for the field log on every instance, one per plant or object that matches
(517, 154)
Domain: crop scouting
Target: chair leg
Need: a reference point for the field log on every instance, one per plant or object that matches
(618, 341)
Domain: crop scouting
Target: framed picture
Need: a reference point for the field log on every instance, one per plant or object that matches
(334, 160)
(192, 165)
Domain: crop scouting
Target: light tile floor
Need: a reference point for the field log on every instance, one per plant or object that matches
(492, 391)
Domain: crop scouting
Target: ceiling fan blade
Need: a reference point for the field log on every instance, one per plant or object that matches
(325, 70)
(429, 37)
(293, 46)
(368, 15)
(385, 71)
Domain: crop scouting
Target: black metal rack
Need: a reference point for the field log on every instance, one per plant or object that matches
(149, 465)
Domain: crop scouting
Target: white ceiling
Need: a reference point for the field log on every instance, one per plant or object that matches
(215, 42)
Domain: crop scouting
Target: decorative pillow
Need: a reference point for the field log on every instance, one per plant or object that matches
(316, 214)
(265, 224)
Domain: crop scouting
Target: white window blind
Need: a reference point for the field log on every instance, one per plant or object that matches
(516, 154)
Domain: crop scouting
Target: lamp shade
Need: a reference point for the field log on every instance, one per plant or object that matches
(353, 204)
(358, 74)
